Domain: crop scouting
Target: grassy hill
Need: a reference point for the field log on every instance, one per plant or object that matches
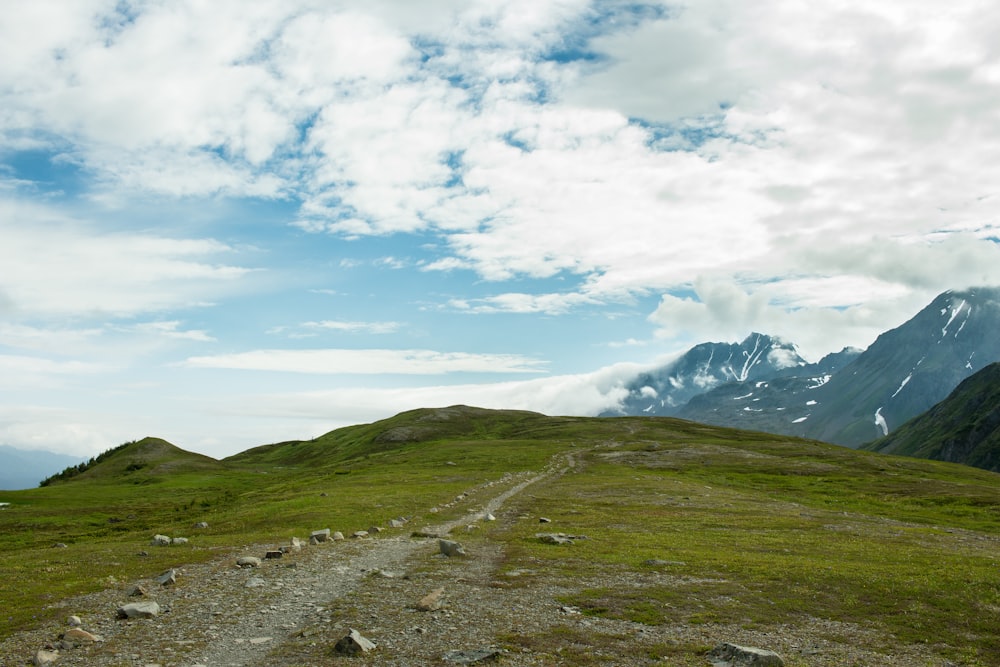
(761, 530)
(963, 428)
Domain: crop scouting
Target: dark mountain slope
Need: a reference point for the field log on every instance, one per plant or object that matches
(963, 428)
(910, 368)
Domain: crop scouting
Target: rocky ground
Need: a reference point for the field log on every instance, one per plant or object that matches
(416, 605)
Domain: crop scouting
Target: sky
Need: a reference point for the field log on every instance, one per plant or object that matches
(238, 222)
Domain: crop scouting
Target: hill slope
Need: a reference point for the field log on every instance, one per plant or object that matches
(147, 458)
(963, 428)
(693, 535)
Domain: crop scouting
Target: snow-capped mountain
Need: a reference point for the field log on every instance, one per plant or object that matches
(706, 366)
(904, 372)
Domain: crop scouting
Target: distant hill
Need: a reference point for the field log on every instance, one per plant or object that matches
(149, 458)
(405, 429)
(24, 469)
(963, 428)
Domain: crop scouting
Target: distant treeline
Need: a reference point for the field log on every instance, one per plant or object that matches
(73, 471)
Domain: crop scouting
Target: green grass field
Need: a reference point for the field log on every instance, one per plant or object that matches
(752, 529)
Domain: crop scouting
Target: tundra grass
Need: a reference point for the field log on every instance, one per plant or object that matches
(709, 533)
(106, 522)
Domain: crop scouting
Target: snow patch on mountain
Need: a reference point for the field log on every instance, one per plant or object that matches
(902, 384)
(880, 422)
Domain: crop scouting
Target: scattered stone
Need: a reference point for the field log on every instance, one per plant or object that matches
(313, 541)
(320, 535)
(296, 543)
(489, 517)
(136, 591)
(471, 657)
(44, 657)
(142, 554)
(80, 636)
(248, 561)
(179, 540)
(60, 545)
(254, 582)
(353, 644)
(425, 533)
(337, 536)
(450, 548)
(544, 520)
(471, 527)
(566, 609)
(555, 538)
(139, 610)
(201, 525)
(359, 534)
(168, 578)
(431, 601)
(74, 621)
(257, 641)
(159, 541)
(657, 562)
(273, 553)
(733, 654)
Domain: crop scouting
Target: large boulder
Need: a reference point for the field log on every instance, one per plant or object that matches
(139, 610)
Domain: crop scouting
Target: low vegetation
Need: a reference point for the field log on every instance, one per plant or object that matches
(705, 525)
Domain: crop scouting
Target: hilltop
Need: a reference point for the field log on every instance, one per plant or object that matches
(679, 536)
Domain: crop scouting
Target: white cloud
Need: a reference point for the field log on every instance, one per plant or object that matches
(369, 362)
(53, 265)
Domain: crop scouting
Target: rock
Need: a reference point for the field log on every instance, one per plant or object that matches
(320, 535)
(431, 601)
(337, 536)
(296, 543)
(733, 654)
(80, 636)
(136, 591)
(425, 533)
(201, 525)
(489, 517)
(471, 657)
(74, 621)
(139, 610)
(179, 540)
(544, 520)
(353, 644)
(555, 538)
(658, 562)
(168, 578)
(43, 657)
(449, 548)
(397, 523)
(374, 530)
(450, 463)
(254, 582)
(160, 541)
(359, 534)
(313, 541)
(248, 561)
(273, 553)
(60, 545)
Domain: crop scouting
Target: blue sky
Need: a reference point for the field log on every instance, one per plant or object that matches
(233, 223)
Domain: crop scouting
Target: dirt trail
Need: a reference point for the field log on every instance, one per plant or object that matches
(219, 615)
